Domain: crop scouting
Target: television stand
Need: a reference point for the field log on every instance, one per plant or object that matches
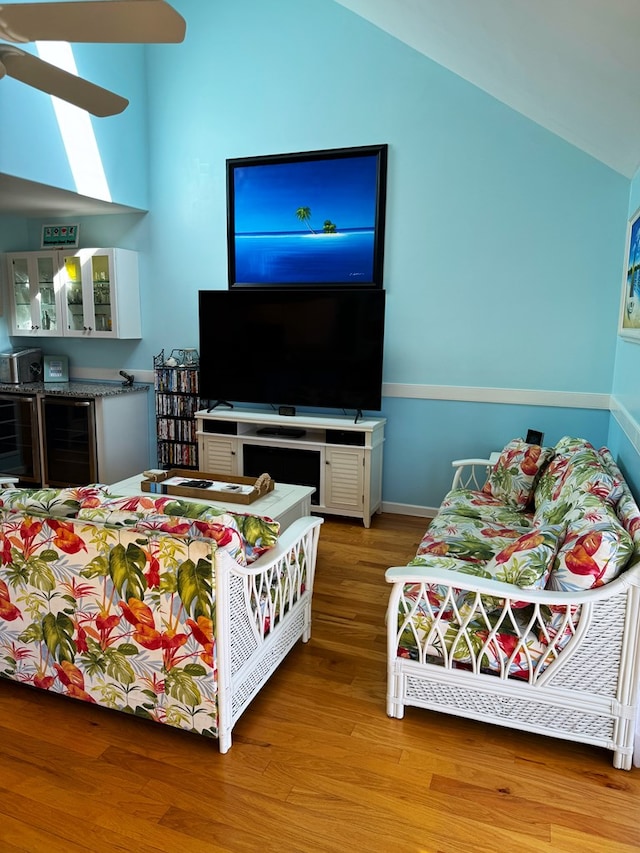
(286, 432)
(340, 459)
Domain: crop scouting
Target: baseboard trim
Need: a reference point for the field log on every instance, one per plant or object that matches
(409, 509)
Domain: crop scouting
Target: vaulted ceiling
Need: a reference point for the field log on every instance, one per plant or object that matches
(572, 66)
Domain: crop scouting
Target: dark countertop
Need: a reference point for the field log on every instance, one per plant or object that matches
(73, 389)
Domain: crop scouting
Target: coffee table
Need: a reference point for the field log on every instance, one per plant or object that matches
(285, 503)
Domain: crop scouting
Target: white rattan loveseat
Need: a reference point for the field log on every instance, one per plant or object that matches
(170, 610)
(543, 638)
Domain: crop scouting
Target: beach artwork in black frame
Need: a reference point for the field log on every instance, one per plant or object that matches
(310, 219)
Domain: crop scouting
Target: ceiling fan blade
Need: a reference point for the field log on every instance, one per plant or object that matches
(117, 21)
(54, 81)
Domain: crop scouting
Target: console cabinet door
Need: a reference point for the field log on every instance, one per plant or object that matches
(344, 478)
(218, 454)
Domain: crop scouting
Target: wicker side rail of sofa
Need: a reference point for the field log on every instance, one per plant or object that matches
(262, 610)
(584, 689)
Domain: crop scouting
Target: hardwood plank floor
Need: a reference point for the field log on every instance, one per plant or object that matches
(316, 766)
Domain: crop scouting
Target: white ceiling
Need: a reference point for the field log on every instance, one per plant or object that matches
(572, 66)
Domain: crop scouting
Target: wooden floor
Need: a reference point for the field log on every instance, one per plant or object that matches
(315, 764)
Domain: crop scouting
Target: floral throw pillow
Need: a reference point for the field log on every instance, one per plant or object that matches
(527, 562)
(61, 503)
(596, 549)
(514, 476)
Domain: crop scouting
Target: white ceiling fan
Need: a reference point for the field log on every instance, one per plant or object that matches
(90, 21)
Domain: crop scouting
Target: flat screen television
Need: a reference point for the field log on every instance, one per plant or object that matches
(315, 348)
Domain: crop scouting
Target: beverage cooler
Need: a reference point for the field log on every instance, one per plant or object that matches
(19, 437)
(69, 433)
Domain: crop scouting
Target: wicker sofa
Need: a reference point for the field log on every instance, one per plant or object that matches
(522, 605)
(170, 610)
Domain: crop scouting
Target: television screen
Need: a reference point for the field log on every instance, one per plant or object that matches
(316, 348)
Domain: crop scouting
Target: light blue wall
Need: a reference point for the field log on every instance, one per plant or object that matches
(502, 240)
(438, 431)
(489, 217)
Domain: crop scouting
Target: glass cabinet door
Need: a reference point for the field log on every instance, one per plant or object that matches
(72, 288)
(47, 319)
(101, 290)
(21, 284)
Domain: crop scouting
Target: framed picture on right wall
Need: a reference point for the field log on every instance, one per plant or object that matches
(630, 303)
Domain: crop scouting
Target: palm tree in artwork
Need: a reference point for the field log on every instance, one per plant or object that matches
(304, 215)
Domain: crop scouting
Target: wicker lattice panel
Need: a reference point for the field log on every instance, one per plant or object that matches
(288, 634)
(522, 713)
(595, 666)
(243, 636)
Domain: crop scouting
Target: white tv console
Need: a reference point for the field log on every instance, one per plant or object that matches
(340, 458)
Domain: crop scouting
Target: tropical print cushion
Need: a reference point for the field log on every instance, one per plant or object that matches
(479, 505)
(549, 509)
(525, 562)
(61, 503)
(111, 616)
(586, 474)
(245, 537)
(571, 477)
(513, 478)
(134, 507)
(569, 444)
(466, 538)
(528, 560)
(596, 549)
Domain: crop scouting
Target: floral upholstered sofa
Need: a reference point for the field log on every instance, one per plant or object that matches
(172, 610)
(522, 604)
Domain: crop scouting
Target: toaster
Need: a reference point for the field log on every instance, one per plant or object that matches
(21, 366)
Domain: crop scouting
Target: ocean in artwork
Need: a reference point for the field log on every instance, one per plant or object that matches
(298, 257)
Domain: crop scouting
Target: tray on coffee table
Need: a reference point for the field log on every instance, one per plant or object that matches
(187, 483)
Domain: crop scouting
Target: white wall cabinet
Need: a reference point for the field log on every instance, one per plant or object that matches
(80, 293)
(34, 298)
(341, 459)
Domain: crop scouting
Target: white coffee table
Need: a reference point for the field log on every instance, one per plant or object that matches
(285, 503)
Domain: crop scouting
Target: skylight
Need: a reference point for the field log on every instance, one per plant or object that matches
(76, 129)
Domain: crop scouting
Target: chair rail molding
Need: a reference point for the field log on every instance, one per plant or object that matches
(628, 424)
(514, 396)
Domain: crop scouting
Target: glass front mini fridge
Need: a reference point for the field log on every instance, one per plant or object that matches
(19, 438)
(69, 433)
